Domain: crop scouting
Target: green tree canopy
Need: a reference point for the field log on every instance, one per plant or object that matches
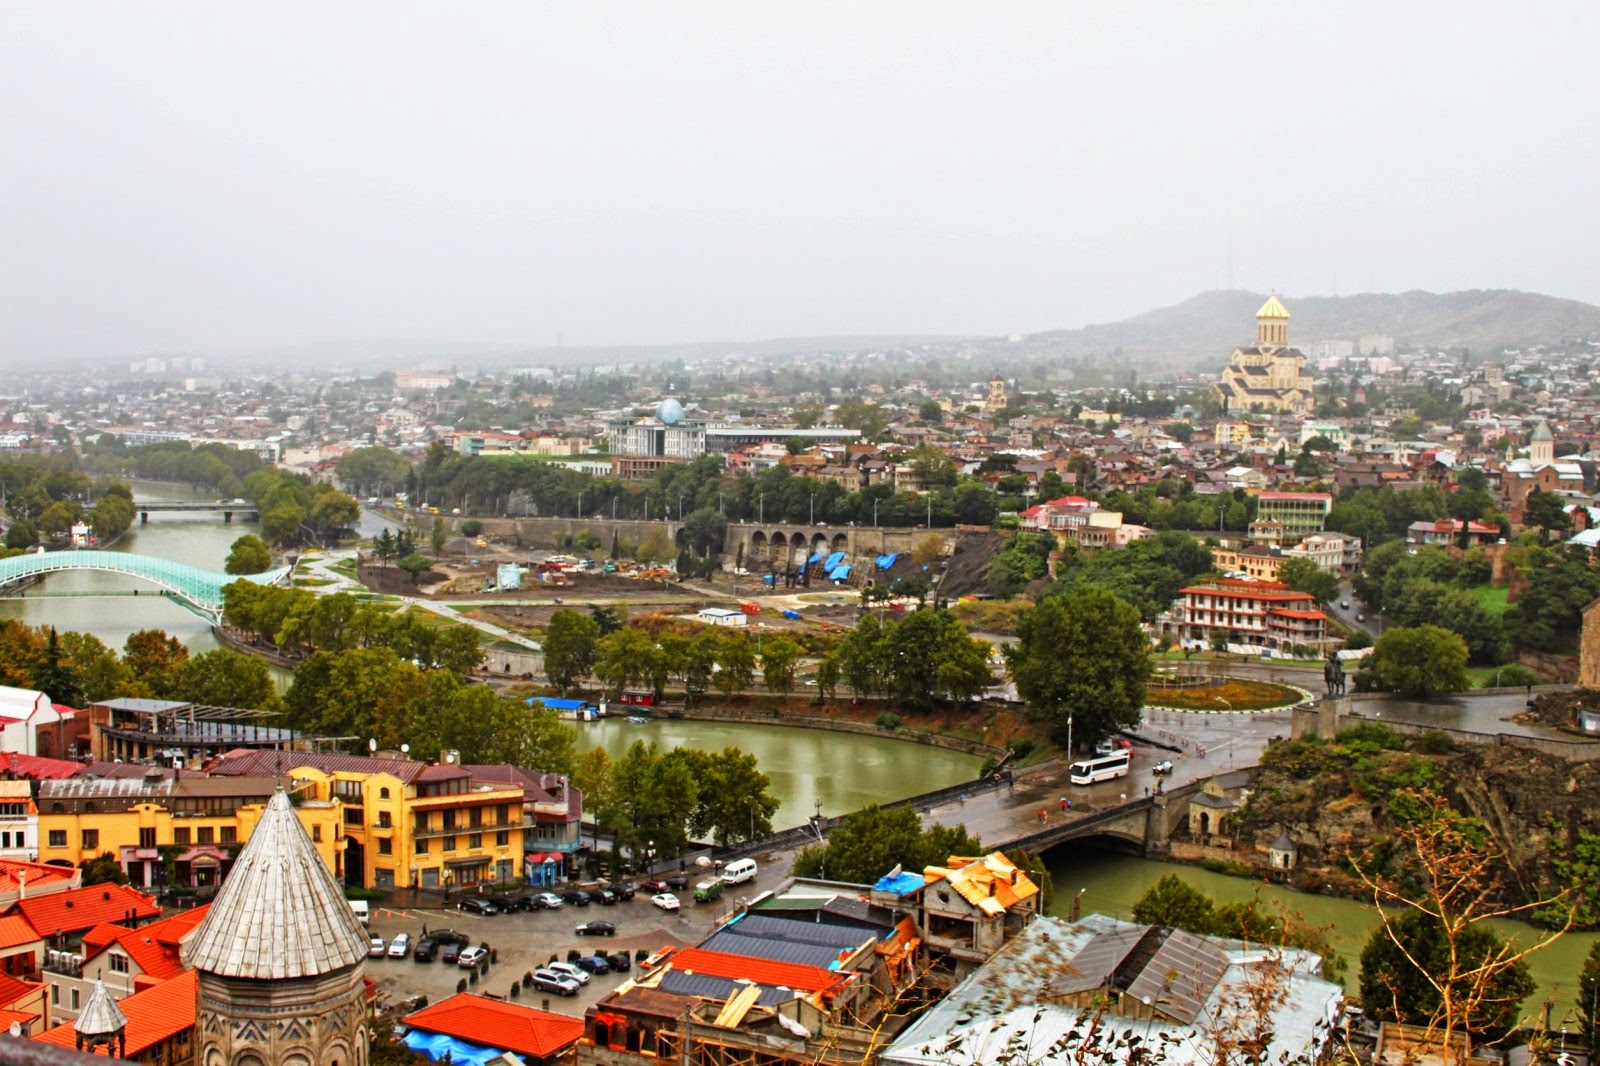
(874, 840)
(1398, 982)
(1416, 661)
(248, 555)
(569, 648)
(1082, 657)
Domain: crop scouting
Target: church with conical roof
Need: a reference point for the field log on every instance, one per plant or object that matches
(280, 958)
(1269, 376)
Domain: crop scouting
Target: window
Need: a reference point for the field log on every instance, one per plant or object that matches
(316, 834)
(385, 846)
(230, 834)
(55, 994)
(181, 835)
(119, 962)
(383, 793)
(449, 843)
(502, 838)
(449, 819)
(422, 846)
(91, 839)
(58, 838)
(475, 841)
(205, 835)
(352, 816)
(147, 837)
(74, 999)
(384, 821)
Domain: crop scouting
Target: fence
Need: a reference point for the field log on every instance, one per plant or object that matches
(1571, 750)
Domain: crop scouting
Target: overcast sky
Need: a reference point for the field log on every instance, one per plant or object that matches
(202, 177)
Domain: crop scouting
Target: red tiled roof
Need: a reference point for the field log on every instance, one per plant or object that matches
(761, 971)
(1280, 612)
(506, 1026)
(41, 876)
(255, 762)
(21, 1017)
(1296, 496)
(85, 908)
(11, 989)
(1267, 595)
(15, 932)
(156, 948)
(37, 766)
(154, 1015)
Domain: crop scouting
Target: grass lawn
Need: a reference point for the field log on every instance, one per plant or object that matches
(1493, 598)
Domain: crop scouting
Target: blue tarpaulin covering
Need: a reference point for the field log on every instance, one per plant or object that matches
(834, 560)
(886, 561)
(768, 579)
(839, 574)
(818, 557)
(793, 616)
(434, 1045)
(900, 884)
(557, 704)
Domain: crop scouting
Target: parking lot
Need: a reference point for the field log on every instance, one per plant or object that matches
(524, 941)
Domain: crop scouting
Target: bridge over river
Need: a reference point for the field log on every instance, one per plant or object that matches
(251, 512)
(198, 590)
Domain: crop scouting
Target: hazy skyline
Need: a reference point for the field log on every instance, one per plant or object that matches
(198, 178)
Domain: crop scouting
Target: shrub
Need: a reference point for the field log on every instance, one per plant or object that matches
(461, 985)
(1370, 737)
(887, 720)
(471, 527)
(1021, 749)
(1434, 742)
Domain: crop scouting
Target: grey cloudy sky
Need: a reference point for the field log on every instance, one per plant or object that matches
(202, 177)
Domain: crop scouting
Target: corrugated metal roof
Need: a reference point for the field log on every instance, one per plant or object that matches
(700, 984)
(1180, 978)
(731, 942)
(800, 932)
(1093, 965)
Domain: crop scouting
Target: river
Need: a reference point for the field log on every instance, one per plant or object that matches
(1113, 882)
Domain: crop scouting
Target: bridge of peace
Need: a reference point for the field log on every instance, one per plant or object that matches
(198, 590)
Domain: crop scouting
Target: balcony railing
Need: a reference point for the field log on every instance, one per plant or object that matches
(459, 829)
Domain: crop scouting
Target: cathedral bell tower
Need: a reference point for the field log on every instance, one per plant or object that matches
(281, 958)
(1272, 324)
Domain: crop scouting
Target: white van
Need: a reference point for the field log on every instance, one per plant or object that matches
(739, 871)
(359, 906)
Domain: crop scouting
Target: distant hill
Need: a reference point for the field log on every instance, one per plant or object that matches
(1208, 326)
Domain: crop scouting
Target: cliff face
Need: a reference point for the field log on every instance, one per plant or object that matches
(1336, 801)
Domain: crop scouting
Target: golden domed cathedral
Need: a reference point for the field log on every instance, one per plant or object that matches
(1270, 376)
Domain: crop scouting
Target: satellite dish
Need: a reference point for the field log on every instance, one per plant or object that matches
(450, 757)
(15, 1029)
(405, 749)
(372, 745)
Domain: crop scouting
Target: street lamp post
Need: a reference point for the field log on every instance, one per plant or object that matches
(813, 508)
(874, 513)
(580, 504)
(650, 856)
(761, 508)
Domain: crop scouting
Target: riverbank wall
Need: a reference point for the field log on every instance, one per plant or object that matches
(948, 741)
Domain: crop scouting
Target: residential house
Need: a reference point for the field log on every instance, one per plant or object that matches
(1262, 613)
(536, 1037)
(22, 713)
(1334, 553)
(1448, 532)
(19, 821)
(127, 960)
(1300, 513)
(160, 1029)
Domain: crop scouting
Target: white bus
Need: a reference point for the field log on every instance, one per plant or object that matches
(1100, 768)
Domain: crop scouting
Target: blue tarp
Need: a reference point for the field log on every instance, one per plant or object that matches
(886, 561)
(834, 560)
(793, 616)
(818, 557)
(768, 579)
(840, 574)
(434, 1045)
(900, 884)
(556, 704)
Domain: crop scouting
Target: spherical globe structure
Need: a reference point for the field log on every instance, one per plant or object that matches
(670, 412)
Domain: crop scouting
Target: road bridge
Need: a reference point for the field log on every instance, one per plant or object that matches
(198, 590)
(228, 509)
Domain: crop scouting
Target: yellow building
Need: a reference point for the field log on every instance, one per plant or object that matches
(1257, 562)
(205, 818)
(410, 824)
(1270, 376)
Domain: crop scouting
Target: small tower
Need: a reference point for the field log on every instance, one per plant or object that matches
(101, 1023)
(1272, 324)
(280, 958)
(1542, 445)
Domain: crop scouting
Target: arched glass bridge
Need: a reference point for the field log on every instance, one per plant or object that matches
(198, 590)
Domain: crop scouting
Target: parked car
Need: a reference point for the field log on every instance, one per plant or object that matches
(451, 952)
(427, 950)
(707, 891)
(604, 895)
(624, 889)
(547, 901)
(520, 903)
(621, 961)
(576, 896)
(450, 936)
(569, 970)
(653, 886)
(550, 981)
(479, 905)
(677, 882)
(400, 946)
(1344, 605)
(595, 964)
(597, 929)
(376, 948)
(470, 957)
(665, 900)
(1162, 768)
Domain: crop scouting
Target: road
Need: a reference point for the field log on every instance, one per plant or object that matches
(1349, 615)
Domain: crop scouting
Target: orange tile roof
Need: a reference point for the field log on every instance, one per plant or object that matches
(156, 948)
(15, 931)
(84, 908)
(154, 1015)
(22, 1018)
(12, 989)
(505, 1026)
(761, 971)
(992, 883)
(38, 766)
(41, 876)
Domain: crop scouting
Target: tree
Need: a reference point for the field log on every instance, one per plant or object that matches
(929, 657)
(22, 534)
(569, 648)
(103, 869)
(1589, 1001)
(416, 565)
(874, 840)
(281, 524)
(438, 536)
(1434, 960)
(1303, 575)
(735, 801)
(383, 546)
(1175, 903)
(249, 555)
(54, 674)
(655, 548)
(703, 531)
(1082, 659)
(373, 471)
(1545, 510)
(224, 678)
(1418, 661)
(154, 657)
(780, 657)
(736, 664)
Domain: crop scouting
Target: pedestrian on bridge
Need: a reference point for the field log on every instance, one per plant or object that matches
(1065, 803)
